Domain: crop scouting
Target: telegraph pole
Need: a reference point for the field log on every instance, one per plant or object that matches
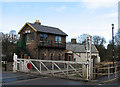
(113, 45)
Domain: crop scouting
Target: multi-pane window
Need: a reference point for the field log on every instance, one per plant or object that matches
(43, 37)
(58, 39)
(30, 36)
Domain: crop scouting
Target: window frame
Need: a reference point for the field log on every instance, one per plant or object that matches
(44, 37)
(58, 39)
(30, 37)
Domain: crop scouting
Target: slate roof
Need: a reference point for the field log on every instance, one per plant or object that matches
(48, 29)
(77, 48)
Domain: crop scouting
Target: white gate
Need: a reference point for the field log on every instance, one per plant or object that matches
(55, 68)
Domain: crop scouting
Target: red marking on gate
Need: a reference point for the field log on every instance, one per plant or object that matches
(26, 61)
(29, 66)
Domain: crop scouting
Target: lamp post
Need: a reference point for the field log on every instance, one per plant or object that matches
(113, 45)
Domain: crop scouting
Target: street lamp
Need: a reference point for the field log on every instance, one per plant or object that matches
(113, 45)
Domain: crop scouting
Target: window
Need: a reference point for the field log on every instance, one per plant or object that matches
(43, 37)
(30, 36)
(58, 39)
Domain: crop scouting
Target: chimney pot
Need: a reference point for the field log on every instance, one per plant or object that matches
(37, 22)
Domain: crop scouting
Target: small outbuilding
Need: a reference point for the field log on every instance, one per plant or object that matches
(79, 52)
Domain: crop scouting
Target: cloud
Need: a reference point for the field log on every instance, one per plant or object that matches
(58, 9)
(99, 3)
(115, 14)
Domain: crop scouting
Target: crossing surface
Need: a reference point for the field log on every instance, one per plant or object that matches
(10, 78)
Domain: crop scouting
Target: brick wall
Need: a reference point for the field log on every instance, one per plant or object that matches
(58, 54)
(36, 51)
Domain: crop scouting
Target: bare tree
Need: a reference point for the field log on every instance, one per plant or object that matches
(9, 44)
(82, 38)
(98, 40)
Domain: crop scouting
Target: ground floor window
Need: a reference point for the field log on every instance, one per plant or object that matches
(43, 56)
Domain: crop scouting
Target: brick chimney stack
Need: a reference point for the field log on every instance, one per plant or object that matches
(37, 22)
(73, 41)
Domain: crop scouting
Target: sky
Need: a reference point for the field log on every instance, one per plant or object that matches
(74, 17)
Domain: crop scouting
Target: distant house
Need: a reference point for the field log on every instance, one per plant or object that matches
(42, 42)
(78, 52)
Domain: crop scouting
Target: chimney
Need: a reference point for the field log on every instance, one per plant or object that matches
(37, 22)
(73, 41)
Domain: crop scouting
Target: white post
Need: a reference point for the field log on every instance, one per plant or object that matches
(15, 63)
(67, 67)
(87, 71)
(40, 67)
(22, 65)
(53, 68)
(88, 55)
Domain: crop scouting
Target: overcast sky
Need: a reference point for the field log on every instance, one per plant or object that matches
(74, 18)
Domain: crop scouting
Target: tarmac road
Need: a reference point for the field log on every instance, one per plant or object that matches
(10, 78)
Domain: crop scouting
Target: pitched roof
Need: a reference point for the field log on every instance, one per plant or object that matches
(47, 29)
(77, 48)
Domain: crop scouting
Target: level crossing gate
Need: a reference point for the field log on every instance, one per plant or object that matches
(58, 68)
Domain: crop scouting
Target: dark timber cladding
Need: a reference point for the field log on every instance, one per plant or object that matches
(42, 42)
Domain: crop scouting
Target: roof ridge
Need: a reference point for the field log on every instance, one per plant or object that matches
(47, 26)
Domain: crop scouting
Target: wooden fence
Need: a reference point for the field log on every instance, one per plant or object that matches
(106, 71)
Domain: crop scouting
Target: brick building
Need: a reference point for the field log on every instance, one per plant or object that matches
(42, 42)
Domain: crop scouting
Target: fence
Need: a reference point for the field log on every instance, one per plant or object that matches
(107, 71)
(71, 69)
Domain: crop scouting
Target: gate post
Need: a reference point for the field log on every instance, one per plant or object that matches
(15, 63)
(115, 71)
(84, 71)
(87, 72)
